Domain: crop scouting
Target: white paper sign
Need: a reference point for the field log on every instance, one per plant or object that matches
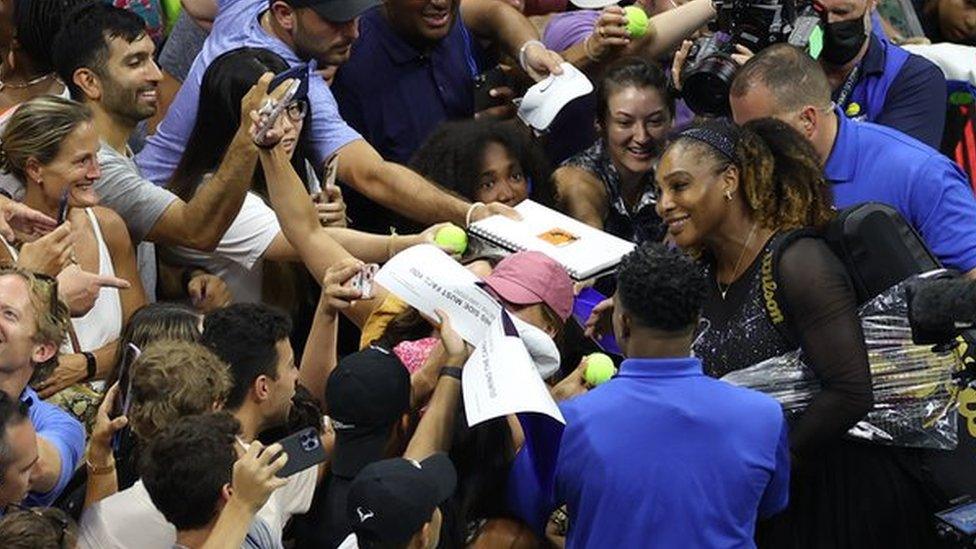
(427, 279)
(500, 379)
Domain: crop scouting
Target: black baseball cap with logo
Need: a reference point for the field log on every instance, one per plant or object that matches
(367, 393)
(337, 11)
(390, 500)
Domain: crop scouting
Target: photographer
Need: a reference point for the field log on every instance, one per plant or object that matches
(870, 78)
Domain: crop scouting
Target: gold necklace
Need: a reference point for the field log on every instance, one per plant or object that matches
(735, 270)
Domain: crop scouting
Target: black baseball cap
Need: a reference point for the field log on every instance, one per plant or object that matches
(367, 393)
(390, 500)
(337, 11)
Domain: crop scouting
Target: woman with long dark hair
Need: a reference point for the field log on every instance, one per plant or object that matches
(255, 236)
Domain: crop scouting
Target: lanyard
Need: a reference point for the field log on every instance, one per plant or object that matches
(848, 87)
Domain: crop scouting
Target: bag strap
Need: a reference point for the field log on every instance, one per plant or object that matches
(773, 301)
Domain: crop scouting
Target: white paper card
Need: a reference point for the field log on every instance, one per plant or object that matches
(427, 279)
(500, 379)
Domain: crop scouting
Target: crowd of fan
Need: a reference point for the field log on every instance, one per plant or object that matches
(175, 295)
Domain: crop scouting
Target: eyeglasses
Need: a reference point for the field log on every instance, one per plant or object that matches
(297, 110)
(51, 516)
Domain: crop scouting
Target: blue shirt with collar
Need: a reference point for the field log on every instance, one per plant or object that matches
(873, 163)
(660, 456)
(64, 432)
(394, 94)
(913, 98)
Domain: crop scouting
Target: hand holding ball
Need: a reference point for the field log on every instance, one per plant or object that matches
(452, 237)
(636, 21)
(599, 369)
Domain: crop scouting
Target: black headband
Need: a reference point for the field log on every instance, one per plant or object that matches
(722, 142)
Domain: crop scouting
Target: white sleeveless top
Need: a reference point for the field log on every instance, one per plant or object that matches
(103, 323)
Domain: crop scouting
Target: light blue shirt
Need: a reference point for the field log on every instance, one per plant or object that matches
(873, 163)
(61, 430)
(659, 456)
(237, 26)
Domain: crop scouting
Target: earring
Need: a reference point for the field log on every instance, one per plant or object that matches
(728, 195)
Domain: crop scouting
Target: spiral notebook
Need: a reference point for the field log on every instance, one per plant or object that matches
(584, 251)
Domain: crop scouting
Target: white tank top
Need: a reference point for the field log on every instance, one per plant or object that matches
(103, 323)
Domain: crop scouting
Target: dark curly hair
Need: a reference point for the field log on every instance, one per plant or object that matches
(779, 172)
(661, 288)
(451, 156)
(187, 465)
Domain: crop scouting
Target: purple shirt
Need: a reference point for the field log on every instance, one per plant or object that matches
(568, 29)
(62, 431)
(237, 26)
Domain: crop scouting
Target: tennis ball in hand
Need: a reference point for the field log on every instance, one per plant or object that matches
(636, 21)
(452, 237)
(599, 369)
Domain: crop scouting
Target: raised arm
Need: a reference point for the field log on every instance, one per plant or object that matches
(512, 31)
(436, 429)
(201, 222)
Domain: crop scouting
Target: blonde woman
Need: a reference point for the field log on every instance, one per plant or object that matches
(50, 144)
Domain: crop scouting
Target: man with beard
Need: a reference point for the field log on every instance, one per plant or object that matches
(308, 30)
(105, 57)
(253, 340)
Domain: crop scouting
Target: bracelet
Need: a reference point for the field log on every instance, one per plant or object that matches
(586, 50)
(450, 371)
(390, 243)
(90, 365)
(521, 54)
(467, 216)
(103, 470)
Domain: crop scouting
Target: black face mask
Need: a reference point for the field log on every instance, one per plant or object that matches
(843, 41)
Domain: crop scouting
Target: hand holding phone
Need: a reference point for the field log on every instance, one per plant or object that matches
(269, 113)
(304, 450)
(363, 280)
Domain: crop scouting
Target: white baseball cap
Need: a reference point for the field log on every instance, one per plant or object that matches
(593, 4)
(543, 101)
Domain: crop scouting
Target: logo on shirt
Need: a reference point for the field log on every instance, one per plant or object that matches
(364, 515)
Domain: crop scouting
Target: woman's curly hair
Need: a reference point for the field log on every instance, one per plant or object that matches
(779, 172)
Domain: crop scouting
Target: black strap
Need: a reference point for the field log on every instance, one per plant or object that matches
(848, 88)
(773, 301)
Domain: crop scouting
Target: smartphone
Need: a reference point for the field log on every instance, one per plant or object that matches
(304, 450)
(363, 280)
(331, 169)
(123, 397)
(271, 112)
(63, 207)
(484, 83)
(961, 518)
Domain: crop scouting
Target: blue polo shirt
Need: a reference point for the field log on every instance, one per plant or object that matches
(61, 430)
(237, 26)
(395, 95)
(913, 98)
(873, 163)
(660, 456)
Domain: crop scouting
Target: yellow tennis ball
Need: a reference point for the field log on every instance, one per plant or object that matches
(599, 369)
(452, 237)
(636, 21)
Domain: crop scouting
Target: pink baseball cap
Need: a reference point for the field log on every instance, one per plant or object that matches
(527, 278)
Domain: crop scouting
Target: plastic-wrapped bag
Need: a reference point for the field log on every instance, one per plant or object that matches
(915, 398)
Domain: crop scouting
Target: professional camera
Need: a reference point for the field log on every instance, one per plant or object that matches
(755, 24)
